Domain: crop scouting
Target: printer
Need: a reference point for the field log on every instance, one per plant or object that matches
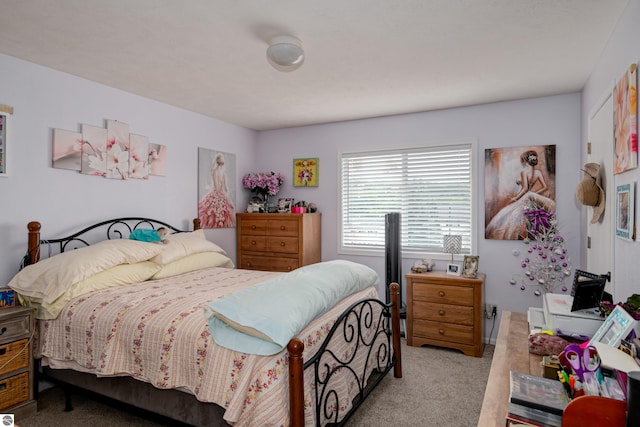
(556, 315)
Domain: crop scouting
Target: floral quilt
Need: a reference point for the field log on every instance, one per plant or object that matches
(156, 331)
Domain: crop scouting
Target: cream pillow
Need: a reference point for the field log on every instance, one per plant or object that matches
(51, 277)
(192, 263)
(119, 275)
(180, 245)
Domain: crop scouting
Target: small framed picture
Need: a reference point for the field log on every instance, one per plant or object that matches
(453, 269)
(624, 210)
(284, 205)
(470, 266)
(305, 172)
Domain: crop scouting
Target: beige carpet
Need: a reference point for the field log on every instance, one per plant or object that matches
(439, 387)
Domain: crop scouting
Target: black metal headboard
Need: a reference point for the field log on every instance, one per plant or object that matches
(118, 228)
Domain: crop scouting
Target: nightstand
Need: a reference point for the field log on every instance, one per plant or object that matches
(16, 362)
(446, 311)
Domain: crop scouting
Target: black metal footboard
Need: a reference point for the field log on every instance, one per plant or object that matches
(366, 328)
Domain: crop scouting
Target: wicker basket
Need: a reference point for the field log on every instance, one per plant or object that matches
(10, 350)
(14, 390)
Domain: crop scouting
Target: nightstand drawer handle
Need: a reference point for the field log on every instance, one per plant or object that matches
(441, 293)
(3, 330)
(3, 350)
(441, 331)
(441, 312)
(3, 386)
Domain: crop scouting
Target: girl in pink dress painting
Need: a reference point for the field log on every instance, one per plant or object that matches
(215, 209)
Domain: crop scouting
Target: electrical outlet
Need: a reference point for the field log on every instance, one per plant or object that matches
(490, 311)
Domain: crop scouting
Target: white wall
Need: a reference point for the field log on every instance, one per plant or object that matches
(541, 121)
(622, 50)
(62, 200)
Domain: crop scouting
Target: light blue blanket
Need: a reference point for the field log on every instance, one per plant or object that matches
(262, 319)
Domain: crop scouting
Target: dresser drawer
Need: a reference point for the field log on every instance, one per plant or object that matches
(14, 390)
(15, 355)
(253, 243)
(266, 263)
(285, 245)
(443, 331)
(459, 314)
(254, 226)
(443, 294)
(283, 227)
(14, 328)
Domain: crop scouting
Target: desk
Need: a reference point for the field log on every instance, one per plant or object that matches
(512, 353)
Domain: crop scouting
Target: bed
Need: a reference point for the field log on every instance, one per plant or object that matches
(143, 336)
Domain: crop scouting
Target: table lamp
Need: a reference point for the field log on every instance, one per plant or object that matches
(452, 244)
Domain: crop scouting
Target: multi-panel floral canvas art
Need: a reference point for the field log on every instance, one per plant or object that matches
(625, 124)
(111, 152)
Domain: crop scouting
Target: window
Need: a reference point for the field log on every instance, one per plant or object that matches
(430, 186)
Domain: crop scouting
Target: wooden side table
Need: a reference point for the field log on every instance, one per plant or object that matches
(16, 362)
(446, 310)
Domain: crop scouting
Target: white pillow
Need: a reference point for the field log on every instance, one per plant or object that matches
(51, 277)
(192, 263)
(119, 275)
(180, 245)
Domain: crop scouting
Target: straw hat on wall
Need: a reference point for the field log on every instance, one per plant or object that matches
(589, 191)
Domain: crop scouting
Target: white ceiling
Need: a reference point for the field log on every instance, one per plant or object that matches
(364, 58)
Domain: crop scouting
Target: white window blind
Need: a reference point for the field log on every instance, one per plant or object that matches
(430, 187)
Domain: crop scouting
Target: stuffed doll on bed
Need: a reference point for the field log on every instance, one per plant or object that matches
(150, 235)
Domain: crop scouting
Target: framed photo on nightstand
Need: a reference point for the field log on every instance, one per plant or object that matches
(453, 269)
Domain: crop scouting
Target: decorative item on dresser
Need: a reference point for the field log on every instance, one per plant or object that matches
(446, 311)
(278, 242)
(16, 363)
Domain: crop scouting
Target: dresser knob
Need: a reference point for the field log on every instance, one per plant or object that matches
(253, 242)
(441, 312)
(282, 228)
(282, 244)
(441, 293)
(441, 331)
(253, 227)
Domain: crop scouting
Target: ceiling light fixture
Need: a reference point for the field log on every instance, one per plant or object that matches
(285, 53)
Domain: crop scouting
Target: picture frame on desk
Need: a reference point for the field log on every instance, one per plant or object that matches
(453, 270)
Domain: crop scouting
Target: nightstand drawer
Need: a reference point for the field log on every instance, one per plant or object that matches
(14, 328)
(15, 355)
(458, 314)
(443, 294)
(14, 390)
(443, 331)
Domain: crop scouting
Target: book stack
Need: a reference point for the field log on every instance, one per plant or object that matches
(535, 401)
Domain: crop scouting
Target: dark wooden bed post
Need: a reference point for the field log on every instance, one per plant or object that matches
(395, 328)
(33, 243)
(296, 383)
(196, 224)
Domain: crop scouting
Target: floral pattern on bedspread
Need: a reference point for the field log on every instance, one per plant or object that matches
(156, 331)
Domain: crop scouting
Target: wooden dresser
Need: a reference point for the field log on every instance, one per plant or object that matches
(277, 241)
(446, 311)
(16, 362)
